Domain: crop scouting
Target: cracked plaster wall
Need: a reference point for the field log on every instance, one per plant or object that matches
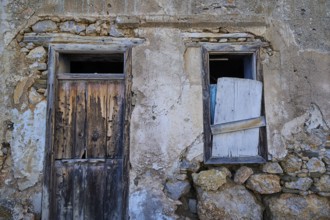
(166, 123)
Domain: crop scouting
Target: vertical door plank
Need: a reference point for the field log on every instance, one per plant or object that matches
(79, 198)
(64, 191)
(94, 191)
(80, 123)
(113, 196)
(115, 119)
(96, 124)
(237, 99)
(64, 120)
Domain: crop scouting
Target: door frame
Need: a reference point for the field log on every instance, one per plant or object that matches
(54, 52)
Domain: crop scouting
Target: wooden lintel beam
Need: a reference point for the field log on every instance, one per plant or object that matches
(238, 125)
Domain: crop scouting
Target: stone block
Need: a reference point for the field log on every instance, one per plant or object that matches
(44, 26)
(301, 184)
(242, 174)
(292, 206)
(37, 54)
(291, 164)
(231, 201)
(315, 167)
(272, 167)
(264, 183)
(175, 189)
(210, 179)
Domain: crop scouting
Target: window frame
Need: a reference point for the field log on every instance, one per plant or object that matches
(233, 49)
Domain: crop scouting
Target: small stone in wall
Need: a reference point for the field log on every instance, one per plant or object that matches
(242, 174)
(38, 66)
(291, 164)
(72, 27)
(323, 184)
(264, 183)
(30, 46)
(272, 167)
(301, 184)
(21, 88)
(292, 206)
(315, 167)
(34, 97)
(44, 26)
(37, 54)
(210, 179)
(91, 29)
(114, 32)
(175, 189)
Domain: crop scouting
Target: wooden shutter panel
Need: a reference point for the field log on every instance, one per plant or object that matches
(237, 100)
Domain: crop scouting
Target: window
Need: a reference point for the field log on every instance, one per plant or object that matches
(234, 118)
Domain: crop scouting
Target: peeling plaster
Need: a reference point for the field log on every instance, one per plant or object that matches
(27, 145)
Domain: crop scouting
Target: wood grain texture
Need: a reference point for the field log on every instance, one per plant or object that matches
(65, 118)
(237, 99)
(87, 189)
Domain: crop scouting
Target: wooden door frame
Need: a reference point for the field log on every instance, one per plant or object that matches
(53, 65)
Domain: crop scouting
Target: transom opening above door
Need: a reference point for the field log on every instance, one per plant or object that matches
(94, 63)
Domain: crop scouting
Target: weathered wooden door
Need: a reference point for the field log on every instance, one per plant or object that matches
(88, 149)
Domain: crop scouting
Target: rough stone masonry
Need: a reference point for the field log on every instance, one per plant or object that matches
(168, 178)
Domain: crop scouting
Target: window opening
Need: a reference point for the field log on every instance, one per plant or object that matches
(234, 119)
(228, 65)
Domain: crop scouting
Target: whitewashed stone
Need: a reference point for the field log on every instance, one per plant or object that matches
(38, 54)
(230, 202)
(323, 184)
(264, 183)
(242, 174)
(150, 204)
(293, 206)
(175, 189)
(291, 164)
(210, 179)
(315, 167)
(301, 184)
(27, 145)
(72, 27)
(272, 167)
(44, 26)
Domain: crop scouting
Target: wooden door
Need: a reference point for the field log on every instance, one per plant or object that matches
(88, 149)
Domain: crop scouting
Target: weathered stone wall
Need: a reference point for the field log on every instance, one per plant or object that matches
(168, 179)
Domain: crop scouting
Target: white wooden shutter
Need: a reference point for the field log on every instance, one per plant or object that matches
(237, 100)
